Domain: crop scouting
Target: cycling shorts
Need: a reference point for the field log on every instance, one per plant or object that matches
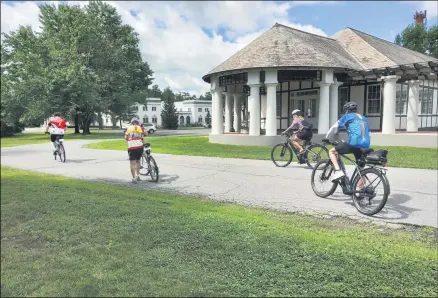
(53, 137)
(345, 148)
(135, 154)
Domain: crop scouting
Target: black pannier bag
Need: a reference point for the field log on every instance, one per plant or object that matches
(377, 157)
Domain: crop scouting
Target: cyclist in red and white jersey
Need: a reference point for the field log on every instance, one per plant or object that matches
(57, 126)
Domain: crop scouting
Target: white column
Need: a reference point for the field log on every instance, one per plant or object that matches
(413, 99)
(263, 110)
(228, 111)
(334, 102)
(271, 109)
(389, 94)
(217, 127)
(324, 105)
(254, 109)
(237, 112)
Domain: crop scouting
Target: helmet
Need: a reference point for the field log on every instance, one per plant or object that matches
(296, 112)
(350, 107)
(57, 114)
(135, 120)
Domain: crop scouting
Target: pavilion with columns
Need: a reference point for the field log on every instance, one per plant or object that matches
(286, 69)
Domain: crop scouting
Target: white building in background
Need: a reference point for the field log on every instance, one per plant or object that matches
(151, 112)
(286, 69)
(189, 112)
(192, 111)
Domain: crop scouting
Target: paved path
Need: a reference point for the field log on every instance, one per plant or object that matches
(413, 196)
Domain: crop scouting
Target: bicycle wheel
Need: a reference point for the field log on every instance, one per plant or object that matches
(61, 153)
(370, 199)
(315, 153)
(153, 169)
(321, 174)
(281, 155)
(144, 167)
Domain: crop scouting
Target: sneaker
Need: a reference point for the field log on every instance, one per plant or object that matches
(134, 180)
(138, 178)
(337, 175)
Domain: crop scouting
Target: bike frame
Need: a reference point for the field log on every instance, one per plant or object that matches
(347, 183)
(288, 141)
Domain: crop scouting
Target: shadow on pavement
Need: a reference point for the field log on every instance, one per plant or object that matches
(78, 160)
(168, 179)
(394, 208)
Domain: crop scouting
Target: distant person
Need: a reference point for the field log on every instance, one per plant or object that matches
(134, 136)
(57, 126)
(304, 132)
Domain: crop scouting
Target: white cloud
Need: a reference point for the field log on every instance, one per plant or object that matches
(181, 53)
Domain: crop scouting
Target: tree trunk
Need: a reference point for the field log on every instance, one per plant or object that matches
(77, 124)
(120, 123)
(99, 117)
(86, 125)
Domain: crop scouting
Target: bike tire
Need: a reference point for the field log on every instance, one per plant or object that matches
(153, 169)
(144, 166)
(320, 149)
(61, 153)
(322, 164)
(385, 187)
(282, 147)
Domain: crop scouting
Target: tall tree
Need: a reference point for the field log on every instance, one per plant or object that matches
(155, 92)
(169, 116)
(418, 37)
(208, 119)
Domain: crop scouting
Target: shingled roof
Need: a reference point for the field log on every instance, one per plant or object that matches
(372, 52)
(349, 49)
(283, 46)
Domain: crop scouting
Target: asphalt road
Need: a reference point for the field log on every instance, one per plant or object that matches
(413, 197)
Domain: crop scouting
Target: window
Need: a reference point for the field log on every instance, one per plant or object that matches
(135, 108)
(401, 99)
(190, 109)
(206, 109)
(343, 99)
(311, 111)
(154, 120)
(106, 120)
(373, 99)
(199, 109)
(154, 109)
(145, 119)
(278, 104)
(200, 119)
(426, 99)
(144, 108)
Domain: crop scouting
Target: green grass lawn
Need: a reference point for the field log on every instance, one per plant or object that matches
(404, 157)
(65, 237)
(38, 138)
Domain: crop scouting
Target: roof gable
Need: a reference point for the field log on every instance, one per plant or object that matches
(282, 46)
(373, 52)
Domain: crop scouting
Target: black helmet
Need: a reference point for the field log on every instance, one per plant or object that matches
(350, 107)
(57, 114)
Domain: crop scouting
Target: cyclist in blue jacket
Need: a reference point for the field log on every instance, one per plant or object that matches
(359, 136)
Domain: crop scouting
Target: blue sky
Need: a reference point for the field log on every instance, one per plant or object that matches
(184, 40)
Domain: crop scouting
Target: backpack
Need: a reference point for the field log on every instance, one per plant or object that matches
(307, 125)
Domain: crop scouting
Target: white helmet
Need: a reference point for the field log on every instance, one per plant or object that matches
(295, 112)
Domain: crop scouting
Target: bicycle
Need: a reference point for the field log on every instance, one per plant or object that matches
(312, 153)
(371, 162)
(148, 164)
(59, 148)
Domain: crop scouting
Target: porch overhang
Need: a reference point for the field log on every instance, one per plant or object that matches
(412, 71)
